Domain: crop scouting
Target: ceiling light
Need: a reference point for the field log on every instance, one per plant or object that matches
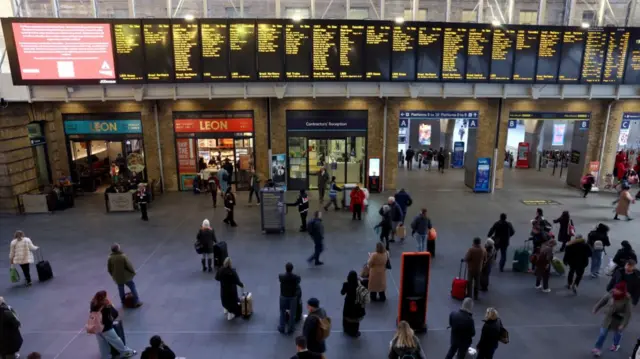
(399, 20)
(585, 25)
(296, 17)
(495, 23)
(189, 17)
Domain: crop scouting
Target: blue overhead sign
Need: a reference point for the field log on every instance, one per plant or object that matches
(438, 115)
(512, 124)
(550, 115)
(584, 125)
(631, 116)
(625, 124)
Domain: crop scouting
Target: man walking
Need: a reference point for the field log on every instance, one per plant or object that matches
(396, 216)
(476, 257)
(441, 160)
(289, 293)
(404, 201)
(420, 227)
(501, 232)
(409, 155)
(323, 178)
(462, 330)
(333, 194)
(122, 273)
(316, 231)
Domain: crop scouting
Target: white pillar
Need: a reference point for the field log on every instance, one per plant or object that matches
(94, 8)
(542, 12)
(56, 8)
(569, 12)
(348, 8)
(414, 10)
(313, 9)
(242, 8)
(447, 12)
(382, 3)
(205, 8)
(169, 9)
(132, 8)
(480, 13)
(601, 10)
(277, 9)
(510, 6)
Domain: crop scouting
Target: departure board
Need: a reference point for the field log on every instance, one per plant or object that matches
(242, 50)
(429, 54)
(270, 50)
(215, 52)
(403, 53)
(377, 60)
(352, 39)
(617, 47)
(186, 51)
(158, 51)
(478, 54)
(129, 53)
(548, 55)
(595, 47)
(454, 53)
(632, 69)
(571, 57)
(326, 59)
(298, 51)
(502, 52)
(524, 58)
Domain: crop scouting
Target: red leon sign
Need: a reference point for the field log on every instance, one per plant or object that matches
(214, 125)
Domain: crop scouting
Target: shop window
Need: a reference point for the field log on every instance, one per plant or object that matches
(528, 17)
(469, 16)
(420, 16)
(298, 161)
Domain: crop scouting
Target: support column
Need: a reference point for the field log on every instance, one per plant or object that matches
(132, 8)
(56, 8)
(205, 8)
(169, 9)
(242, 9)
(633, 5)
(480, 14)
(382, 6)
(414, 10)
(313, 8)
(542, 12)
(510, 12)
(278, 11)
(601, 11)
(447, 14)
(569, 11)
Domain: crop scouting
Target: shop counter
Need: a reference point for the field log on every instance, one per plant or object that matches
(120, 202)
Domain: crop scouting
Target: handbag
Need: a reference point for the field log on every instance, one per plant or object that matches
(198, 247)
(14, 275)
(504, 335)
(571, 229)
(388, 265)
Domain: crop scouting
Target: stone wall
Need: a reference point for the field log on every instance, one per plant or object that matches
(613, 132)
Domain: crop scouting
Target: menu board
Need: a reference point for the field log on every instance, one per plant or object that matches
(502, 52)
(594, 54)
(632, 70)
(377, 59)
(524, 64)
(454, 54)
(297, 51)
(242, 50)
(352, 39)
(617, 46)
(215, 53)
(548, 55)
(270, 55)
(186, 51)
(403, 53)
(571, 57)
(429, 55)
(129, 53)
(478, 54)
(158, 51)
(326, 59)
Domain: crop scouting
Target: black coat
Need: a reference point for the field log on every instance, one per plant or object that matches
(623, 255)
(351, 309)
(310, 331)
(229, 201)
(229, 283)
(306, 355)
(10, 337)
(490, 336)
(563, 232)
(462, 328)
(207, 238)
(315, 228)
(395, 212)
(164, 352)
(501, 231)
(598, 236)
(577, 254)
(385, 224)
(632, 280)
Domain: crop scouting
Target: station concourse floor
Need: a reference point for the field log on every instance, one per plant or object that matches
(182, 304)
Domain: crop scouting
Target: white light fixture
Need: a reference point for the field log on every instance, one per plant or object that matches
(189, 17)
(495, 22)
(399, 20)
(296, 17)
(585, 25)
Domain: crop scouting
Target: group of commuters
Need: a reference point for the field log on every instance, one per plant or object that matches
(424, 157)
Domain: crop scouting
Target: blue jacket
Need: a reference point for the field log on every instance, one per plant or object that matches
(421, 224)
(396, 212)
(403, 200)
(315, 228)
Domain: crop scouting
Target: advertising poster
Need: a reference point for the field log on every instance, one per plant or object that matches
(424, 134)
(558, 134)
(186, 152)
(458, 155)
(522, 160)
(483, 175)
(279, 170)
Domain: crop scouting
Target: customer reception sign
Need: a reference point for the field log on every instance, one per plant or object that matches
(213, 125)
(97, 127)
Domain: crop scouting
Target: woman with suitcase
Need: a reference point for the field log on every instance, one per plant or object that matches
(20, 253)
(108, 337)
(229, 283)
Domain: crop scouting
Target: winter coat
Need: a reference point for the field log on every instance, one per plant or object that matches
(306, 354)
(396, 212)
(617, 313)
(490, 336)
(476, 257)
(229, 283)
(623, 204)
(310, 331)
(229, 201)
(563, 232)
(385, 224)
(501, 231)
(396, 352)
(409, 154)
(598, 236)
(357, 197)
(351, 309)
(377, 264)
(109, 314)
(462, 328)
(289, 285)
(315, 228)
(323, 178)
(543, 259)
(11, 339)
(164, 352)
(577, 253)
(403, 200)
(207, 238)
(120, 268)
(421, 225)
(631, 279)
(20, 251)
(623, 255)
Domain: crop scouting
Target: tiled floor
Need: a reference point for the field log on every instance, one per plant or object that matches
(182, 304)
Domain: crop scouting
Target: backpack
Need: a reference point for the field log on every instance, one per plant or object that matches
(324, 328)
(94, 324)
(362, 296)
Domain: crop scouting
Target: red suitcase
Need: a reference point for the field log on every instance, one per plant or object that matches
(459, 285)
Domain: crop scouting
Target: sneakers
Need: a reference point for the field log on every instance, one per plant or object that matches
(596, 352)
(230, 316)
(574, 288)
(546, 290)
(129, 354)
(538, 287)
(614, 348)
(225, 311)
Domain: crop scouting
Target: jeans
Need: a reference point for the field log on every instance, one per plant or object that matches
(108, 339)
(503, 257)
(143, 211)
(596, 262)
(26, 270)
(334, 201)
(251, 192)
(132, 288)
(288, 303)
(617, 336)
(460, 349)
(421, 240)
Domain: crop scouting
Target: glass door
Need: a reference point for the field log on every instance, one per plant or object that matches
(243, 149)
(297, 164)
(356, 147)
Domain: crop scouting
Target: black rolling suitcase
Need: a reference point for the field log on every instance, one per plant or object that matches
(43, 268)
(119, 328)
(219, 253)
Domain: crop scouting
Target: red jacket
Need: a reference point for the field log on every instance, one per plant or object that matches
(357, 197)
(622, 168)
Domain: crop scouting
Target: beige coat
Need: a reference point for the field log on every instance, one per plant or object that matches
(377, 272)
(20, 251)
(623, 204)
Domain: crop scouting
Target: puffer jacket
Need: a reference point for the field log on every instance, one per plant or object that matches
(20, 251)
(577, 253)
(207, 238)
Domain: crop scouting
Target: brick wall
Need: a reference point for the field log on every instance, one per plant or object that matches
(613, 133)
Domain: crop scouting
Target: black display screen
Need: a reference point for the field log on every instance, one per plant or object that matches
(617, 47)
(595, 48)
(158, 51)
(377, 61)
(242, 50)
(298, 51)
(186, 51)
(128, 51)
(502, 52)
(403, 53)
(352, 40)
(429, 53)
(215, 52)
(632, 69)
(524, 65)
(549, 55)
(573, 41)
(270, 50)
(415, 289)
(454, 54)
(326, 58)
(478, 54)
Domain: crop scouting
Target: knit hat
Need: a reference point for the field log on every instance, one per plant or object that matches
(597, 245)
(313, 302)
(206, 224)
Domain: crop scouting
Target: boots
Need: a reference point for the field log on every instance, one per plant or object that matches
(209, 263)
(204, 269)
